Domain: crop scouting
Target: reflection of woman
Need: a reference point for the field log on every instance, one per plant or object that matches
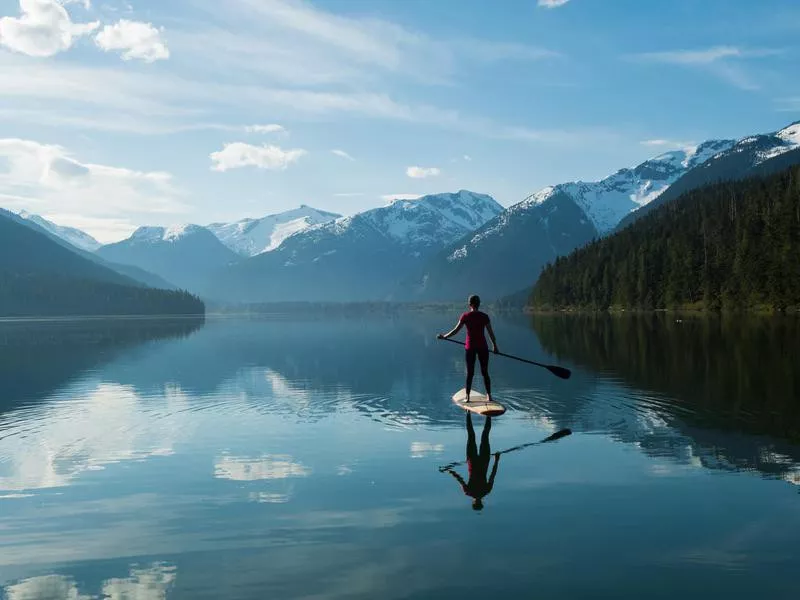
(478, 465)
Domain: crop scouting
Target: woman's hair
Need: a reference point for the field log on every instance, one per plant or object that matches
(475, 301)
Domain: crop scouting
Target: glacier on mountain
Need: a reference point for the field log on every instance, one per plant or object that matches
(250, 237)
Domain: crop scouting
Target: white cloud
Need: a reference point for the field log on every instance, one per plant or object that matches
(136, 40)
(271, 128)
(349, 194)
(238, 155)
(262, 468)
(658, 143)
(47, 179)
(44, 28)
(467, 158)
(552, 3)
(342, 154)
(422, 172)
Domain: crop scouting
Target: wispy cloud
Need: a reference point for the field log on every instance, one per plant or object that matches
(342, 154)
(239, 155)
(552, 3)
(423, 172)
(720, 61)
(154, 103)
(349, 194)
(788, 104)
(706, 56)
(134, 40)
(297, 42)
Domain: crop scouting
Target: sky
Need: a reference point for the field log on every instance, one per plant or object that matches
(116, 114)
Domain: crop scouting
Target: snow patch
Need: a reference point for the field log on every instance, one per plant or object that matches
(250, 237)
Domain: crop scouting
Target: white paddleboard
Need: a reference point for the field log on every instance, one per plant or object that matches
(478, 403)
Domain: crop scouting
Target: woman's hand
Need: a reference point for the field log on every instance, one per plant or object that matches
(441, 336)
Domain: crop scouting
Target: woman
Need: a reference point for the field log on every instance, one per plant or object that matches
(475, 321)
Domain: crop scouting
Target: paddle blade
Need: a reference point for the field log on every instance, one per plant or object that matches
(560, 372)
(558, 435)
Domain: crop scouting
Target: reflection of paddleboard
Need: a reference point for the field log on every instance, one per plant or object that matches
(478, 403)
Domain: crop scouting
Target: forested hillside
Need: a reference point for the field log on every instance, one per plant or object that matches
(733, 245)
(40, 277)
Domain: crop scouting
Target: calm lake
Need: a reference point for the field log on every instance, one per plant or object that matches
(303, 457)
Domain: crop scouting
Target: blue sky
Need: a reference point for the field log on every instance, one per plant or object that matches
(119, 114)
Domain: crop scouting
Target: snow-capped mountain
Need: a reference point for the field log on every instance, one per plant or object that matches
(754, 155)
(250, 237)
(359, 257)
(507, 253)
(184, 255)
(608, 201)
(73, 236)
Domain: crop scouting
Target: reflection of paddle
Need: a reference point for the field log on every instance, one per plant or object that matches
(556, 436)
(554, 369)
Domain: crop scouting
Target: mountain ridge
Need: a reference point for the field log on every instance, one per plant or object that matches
(509, 251)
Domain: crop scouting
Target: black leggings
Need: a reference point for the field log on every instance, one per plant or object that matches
(483, 356)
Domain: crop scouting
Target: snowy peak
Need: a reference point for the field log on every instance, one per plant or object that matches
(783, 141)
(790, 135)
(174, 233)
(250, 237)
(72, 236)
(608, 201)
(430, 220)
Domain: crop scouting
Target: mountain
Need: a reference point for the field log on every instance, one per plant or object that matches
(184, 255)
(509, 251)
(42, 277)
(85, 245)
(754, 155)
(732, 245)
(355, 258)
(73, 236)
(250, 237)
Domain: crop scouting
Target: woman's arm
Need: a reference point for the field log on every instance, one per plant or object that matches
(452, 332)
(491, 336)
(459, 479)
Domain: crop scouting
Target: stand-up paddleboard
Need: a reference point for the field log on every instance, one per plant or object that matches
(478, 403)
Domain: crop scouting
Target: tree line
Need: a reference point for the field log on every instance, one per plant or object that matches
(726, 246)
(40, 294)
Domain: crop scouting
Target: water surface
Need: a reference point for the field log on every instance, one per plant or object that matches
(302, 457)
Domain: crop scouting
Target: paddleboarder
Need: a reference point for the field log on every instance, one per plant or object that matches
(476, 322)
(478, 465)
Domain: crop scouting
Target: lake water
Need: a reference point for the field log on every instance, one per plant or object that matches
(301, 457)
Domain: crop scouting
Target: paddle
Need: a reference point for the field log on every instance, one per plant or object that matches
(556, 436)
(554, 369)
